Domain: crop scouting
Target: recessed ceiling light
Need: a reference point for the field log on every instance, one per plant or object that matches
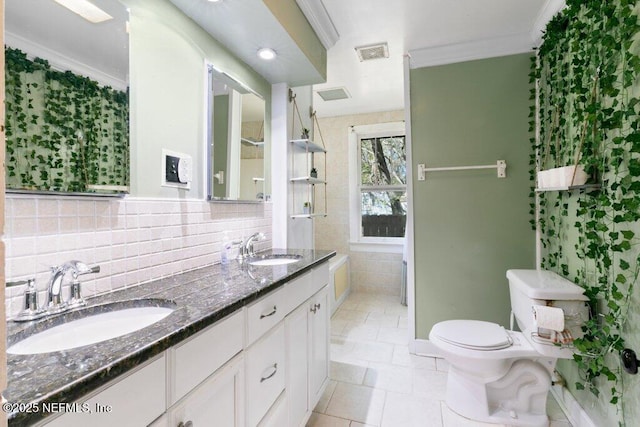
(86, 9)
(267, 53)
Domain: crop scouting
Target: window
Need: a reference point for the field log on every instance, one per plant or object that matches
(379, 194)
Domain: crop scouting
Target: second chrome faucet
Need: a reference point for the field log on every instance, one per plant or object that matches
(246, 247)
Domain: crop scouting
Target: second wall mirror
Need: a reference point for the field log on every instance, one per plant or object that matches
(236, 140)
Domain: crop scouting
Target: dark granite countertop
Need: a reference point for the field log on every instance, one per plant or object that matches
(202, 297)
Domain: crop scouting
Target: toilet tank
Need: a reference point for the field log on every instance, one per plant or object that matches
(542, 287)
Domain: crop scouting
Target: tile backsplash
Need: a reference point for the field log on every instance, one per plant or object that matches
(133, 240)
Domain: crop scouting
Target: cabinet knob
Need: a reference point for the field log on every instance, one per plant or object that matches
(187, 424)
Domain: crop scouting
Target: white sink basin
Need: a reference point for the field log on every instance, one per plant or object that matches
(90, 330)
(270, 260)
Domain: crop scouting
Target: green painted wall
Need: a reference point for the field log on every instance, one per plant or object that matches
(470, 227)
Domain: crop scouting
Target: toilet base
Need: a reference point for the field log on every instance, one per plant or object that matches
(503, 418)
(517, 399)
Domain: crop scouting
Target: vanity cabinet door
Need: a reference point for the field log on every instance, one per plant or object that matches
(307, 334)
(277, 415)
(297, 336)
(215, 402)
(319, 351)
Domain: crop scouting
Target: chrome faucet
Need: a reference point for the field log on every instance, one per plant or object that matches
(55, 303)
(246, 248)
(54, 290)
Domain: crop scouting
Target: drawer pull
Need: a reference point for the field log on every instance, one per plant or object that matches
(187, 424)
(315, 308)
(262, 316)
(275, 369)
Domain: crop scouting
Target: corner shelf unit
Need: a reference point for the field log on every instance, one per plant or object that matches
(311, 149)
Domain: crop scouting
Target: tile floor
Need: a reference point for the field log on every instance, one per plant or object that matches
(374, 381)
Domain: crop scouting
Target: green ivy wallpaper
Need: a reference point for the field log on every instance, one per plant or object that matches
(64, 132)
(585, 107)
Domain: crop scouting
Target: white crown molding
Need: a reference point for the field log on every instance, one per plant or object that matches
(320, 21)
(469, 51)
(61, 62)
(548, 11)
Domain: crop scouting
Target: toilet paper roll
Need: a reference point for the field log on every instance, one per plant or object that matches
(548, 317)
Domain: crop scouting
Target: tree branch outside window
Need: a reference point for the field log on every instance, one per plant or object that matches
(383, 186)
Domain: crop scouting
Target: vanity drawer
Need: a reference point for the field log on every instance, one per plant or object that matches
(265, 314)
(202, 354)
(298, 291)
(320, 277)
(135, 399)
(265, 379)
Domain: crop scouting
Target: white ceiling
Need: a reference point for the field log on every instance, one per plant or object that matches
(433, 32)
(97, 50)
(244, 26)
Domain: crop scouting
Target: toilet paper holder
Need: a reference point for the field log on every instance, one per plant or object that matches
(548, 318)
(629, 361)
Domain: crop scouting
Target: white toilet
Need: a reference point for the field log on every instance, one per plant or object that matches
(503, 376)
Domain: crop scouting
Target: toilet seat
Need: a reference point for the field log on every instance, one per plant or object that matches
(473, 334)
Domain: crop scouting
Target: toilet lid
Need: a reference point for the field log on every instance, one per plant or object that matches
(473, 334)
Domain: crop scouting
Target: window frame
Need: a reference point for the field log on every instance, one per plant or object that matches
(358, 242)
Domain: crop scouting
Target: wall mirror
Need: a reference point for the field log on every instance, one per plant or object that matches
(236, 140)
(67, 108)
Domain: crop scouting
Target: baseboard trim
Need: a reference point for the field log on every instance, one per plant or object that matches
(423, 348)
(575, 413)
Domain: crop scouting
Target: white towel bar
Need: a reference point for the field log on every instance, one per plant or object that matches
(501, 166)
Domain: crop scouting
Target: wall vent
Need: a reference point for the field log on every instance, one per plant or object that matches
(333, 94)
(373, 51)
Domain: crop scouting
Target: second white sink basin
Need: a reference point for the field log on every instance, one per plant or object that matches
(276, 259)
(90, 330)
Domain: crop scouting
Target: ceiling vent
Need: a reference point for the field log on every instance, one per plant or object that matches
(373, 51)
(333, 94)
